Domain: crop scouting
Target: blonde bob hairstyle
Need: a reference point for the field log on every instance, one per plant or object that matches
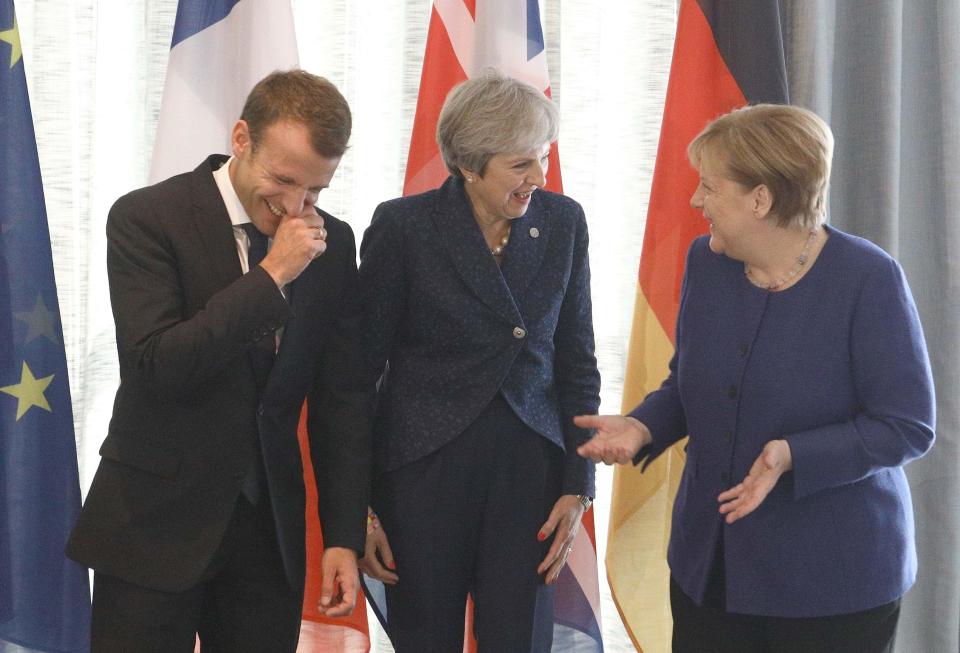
(493, 114)
(786, 148)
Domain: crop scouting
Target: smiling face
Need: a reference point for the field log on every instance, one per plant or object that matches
(504, 190)
(731, 209)
(282, 175)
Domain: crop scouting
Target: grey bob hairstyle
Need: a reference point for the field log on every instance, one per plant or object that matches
(493, 114)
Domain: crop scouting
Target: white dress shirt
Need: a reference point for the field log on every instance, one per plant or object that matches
(238, 217)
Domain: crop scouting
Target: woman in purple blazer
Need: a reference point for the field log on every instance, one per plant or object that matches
(802, 379)
(477, 313)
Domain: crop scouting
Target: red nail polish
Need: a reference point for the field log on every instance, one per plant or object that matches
(541, 536)
(392, 565)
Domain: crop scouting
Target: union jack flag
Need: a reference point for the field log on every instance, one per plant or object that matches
(465, 37)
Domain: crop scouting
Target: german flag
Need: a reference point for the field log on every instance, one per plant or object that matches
(727, 54)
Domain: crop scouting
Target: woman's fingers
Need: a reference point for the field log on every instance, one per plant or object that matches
(377, 561)
(563, 523)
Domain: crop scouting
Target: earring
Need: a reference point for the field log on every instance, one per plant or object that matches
(469, 180)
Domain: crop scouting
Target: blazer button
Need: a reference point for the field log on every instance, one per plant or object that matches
(728, 435)
(732, 392)
(742, 350)
(519, 333)
(534, 232)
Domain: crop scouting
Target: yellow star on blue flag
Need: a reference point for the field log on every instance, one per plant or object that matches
(29, 392)
(12, 36)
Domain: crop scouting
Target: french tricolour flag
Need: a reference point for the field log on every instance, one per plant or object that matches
(466, 36)
(219, 50)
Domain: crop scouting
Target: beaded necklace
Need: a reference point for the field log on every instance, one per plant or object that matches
(498, 250)
(794, 271)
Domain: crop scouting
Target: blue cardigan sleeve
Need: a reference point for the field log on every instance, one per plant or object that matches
(894, 386)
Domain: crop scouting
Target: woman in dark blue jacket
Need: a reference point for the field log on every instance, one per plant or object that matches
(802, 378)
(477, 308)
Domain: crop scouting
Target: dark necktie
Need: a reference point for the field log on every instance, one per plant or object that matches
(258, 244)
(263, 350)
(261, 355)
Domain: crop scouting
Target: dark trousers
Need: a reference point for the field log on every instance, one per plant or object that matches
(465, 520)
(709, 629)
(243, 602)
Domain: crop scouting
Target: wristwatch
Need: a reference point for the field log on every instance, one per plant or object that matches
(585, 501)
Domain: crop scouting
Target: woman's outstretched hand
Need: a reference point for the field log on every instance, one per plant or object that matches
(740, 500)
(617, 439)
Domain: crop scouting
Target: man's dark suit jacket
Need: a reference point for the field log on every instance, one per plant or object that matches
(456, 329)
(187, 412)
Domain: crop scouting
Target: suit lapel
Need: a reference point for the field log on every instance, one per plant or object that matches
(213, 224)
(463, 241)
(220, 245)
(528, 242)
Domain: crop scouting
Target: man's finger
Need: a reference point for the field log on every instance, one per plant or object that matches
(341, 608)
(311, 217)
(326, 588)
(348, 590)
(345, 599)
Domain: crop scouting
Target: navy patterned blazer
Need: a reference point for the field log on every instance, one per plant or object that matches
(451, 328)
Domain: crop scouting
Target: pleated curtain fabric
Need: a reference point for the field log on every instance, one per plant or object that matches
(886, 75)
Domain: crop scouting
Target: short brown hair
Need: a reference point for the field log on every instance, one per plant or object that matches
(304, 98)
(786, 148)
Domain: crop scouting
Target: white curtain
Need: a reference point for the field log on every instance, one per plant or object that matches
(96, 69)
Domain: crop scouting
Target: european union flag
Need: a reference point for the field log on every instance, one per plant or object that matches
(44, 597)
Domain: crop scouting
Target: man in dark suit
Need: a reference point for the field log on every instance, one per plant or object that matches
(194, 523)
